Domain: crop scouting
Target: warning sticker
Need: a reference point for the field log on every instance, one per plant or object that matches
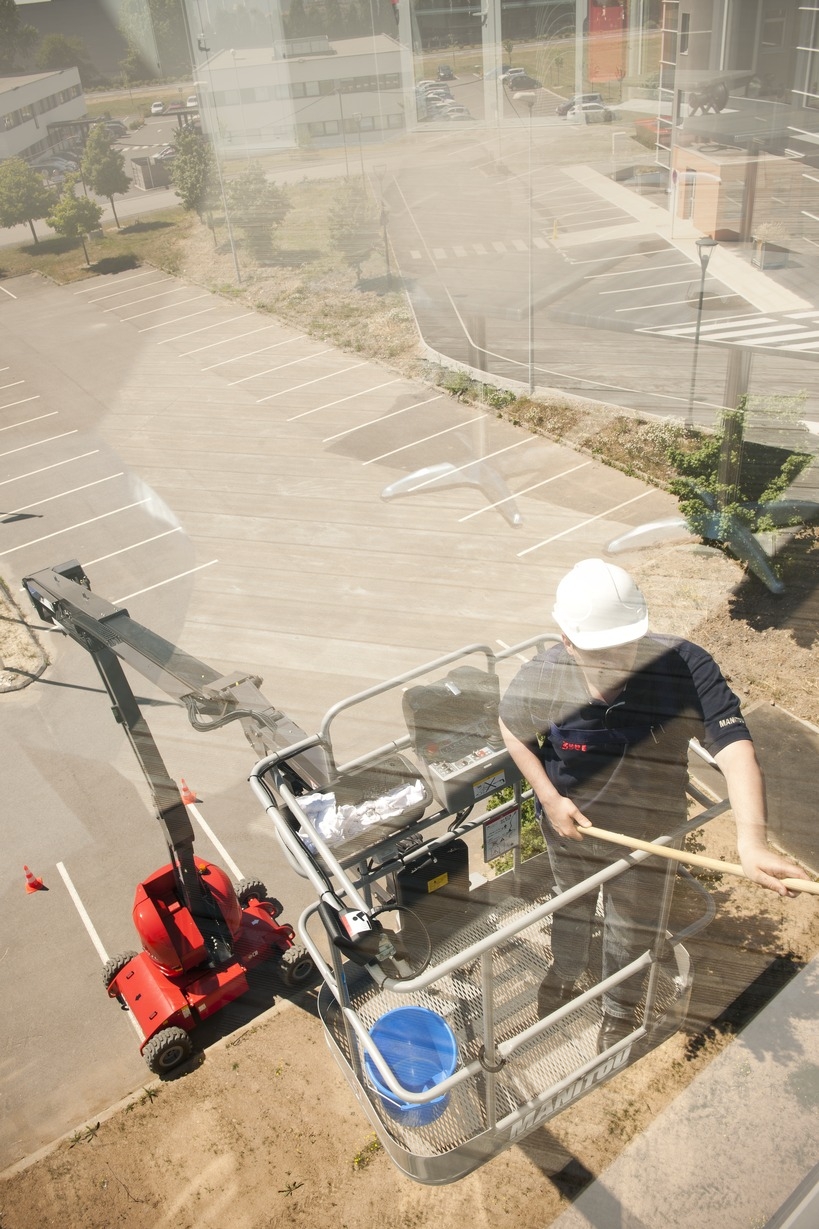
(489, 785)
(440, 881)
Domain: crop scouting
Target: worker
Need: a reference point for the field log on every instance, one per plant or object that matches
(599, 726)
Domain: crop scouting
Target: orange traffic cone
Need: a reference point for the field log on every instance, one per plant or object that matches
(33, 884)
(188, 796)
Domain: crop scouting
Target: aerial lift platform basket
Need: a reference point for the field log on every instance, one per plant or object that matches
(474, 957)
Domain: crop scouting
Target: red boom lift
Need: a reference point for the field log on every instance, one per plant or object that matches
(199, 933)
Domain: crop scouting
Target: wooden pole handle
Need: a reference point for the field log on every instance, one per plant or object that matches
(692, 859)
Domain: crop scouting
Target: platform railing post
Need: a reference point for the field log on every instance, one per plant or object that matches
(489, 1054)
(660, 938)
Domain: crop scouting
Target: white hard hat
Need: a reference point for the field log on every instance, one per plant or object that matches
(598, 606)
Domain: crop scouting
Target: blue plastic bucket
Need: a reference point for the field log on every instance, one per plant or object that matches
(420, 1049)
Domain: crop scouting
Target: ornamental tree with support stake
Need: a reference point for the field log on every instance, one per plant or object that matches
(23, 195)
(74, 216)
(103, 167)
(193, 173)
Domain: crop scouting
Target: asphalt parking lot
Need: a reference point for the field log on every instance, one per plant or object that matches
(223, 475)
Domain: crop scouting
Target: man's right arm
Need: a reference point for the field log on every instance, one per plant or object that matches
(561, 812)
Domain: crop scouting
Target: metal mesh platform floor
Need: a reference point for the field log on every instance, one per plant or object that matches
(518, 965)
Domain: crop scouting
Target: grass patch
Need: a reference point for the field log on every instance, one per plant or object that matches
(160, 241)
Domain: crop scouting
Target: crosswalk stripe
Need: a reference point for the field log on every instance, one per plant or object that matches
(499, 247)
(520, 245)
(479, 249)
(540, 243)
(459, 251)
(439, 253)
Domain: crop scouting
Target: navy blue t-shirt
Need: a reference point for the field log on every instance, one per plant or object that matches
(624, 764)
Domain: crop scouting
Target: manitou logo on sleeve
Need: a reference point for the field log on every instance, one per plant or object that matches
(561, 1099)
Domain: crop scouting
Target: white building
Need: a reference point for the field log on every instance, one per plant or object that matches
(37, 112)
(302, 92)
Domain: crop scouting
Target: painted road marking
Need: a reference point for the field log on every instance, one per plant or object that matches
(350, 397)
(62, 494)
(37, 443)
(212, 837)
(249, 353)
(382, 418)
(204, 328)
(92, 933)
(115, 294)
(427, 438)
(160, 583)
(25, 421)
(164, 307)
(294, 388)
(525, 491)
(224, 340)
(69, 528)
(582, 524)
(166, 324)
(97, 284)
(10, 404)
(133, 546)
(458, 468)
(54, 465)
(305, 358)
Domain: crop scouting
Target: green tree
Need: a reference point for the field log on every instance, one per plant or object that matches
(57, 51)
(508, 47)
(103, 167)
(74, 216)
(353, 224)
(257, 208)
(23, 195)
(16, 38)
(193, 171)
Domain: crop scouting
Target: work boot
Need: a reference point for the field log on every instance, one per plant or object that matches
(612, 1030)
(553, 993)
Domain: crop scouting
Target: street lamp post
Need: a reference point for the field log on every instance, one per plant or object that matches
(705, 248)
(381, 172)
(530, 103)
(357, 119)
(343, 132)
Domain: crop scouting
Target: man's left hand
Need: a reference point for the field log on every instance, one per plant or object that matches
(767, 868)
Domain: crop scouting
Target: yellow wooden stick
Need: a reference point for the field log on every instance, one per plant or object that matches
(692, 859)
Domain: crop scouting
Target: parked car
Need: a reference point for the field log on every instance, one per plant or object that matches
(54, 162)
(576, 99)
(192, 101)
(157, 108)
(522, 81)
(167, 153)
(512, 72)
(591, 113)
(456, 112)
(445, 72)
(115, 127)
(436, 88)
(438, 96)
(496, 72)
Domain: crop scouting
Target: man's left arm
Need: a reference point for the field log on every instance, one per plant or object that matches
(746, 793)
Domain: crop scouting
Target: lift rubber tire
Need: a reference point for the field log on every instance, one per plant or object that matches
(114, 965)
(296, 966)
(249, 889)
(167, 1050)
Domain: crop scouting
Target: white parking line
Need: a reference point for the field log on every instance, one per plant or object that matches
(642, 307)
(61, 494)
(581, 524)
(294, 388)
(164, 307)
(148, 298)
(133, 546)
(504, 645)
(224, 340)
(204, 329)
(37, 443)
(654, 286)
(350, 397)
(427, 438)
(115, 294)
(92, 934)
(679, 264)
(535, 486)
(25, 421)
(457, 469)
(13, 384)
(249, 353)
(382, 418)
(305, 358)
(596, 260)
(55, 465)
(10, 404)
(131, 277)
(166, 324)
(70, 528)
(84, 918)
(160, 583)
(214, 840)
(8, 292)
